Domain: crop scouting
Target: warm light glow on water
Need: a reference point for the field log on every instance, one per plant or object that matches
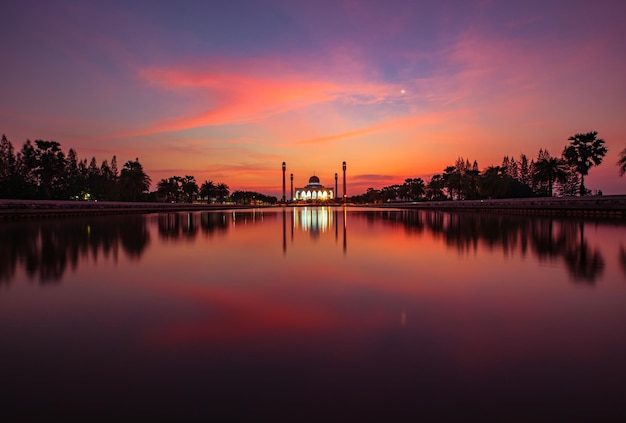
(320, 312)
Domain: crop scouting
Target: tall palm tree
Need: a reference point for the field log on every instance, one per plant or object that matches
(168, 188)
(584, 152)
(622, 162)
(549, 170)
(133, 180)
(207, 189)
(222, 191)
(189, 187)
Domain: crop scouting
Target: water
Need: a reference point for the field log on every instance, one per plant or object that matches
(313, 314)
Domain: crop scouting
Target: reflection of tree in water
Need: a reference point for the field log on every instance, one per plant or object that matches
(45, 248)
(546, 240)
(135, 237)
(177, 226)
(187, 226)
(212, 223)
(549, 239)
(622, 259)
(584, 264)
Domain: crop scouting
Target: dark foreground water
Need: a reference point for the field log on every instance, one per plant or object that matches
(313, 314)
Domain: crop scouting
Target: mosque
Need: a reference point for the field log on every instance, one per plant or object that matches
(314, 190)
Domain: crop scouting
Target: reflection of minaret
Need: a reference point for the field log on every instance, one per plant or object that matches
(336, 186)
(345, 224)
(291, 190)
(336, 221)
(284, 168)
(345, 197)
(284, 232)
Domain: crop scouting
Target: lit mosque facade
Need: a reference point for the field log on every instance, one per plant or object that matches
(314, 190)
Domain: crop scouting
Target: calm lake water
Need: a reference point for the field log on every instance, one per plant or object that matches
(314, 314)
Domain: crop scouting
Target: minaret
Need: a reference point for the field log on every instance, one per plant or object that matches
(345, 196)
(336, 186)
(291, 187)
(284, 169)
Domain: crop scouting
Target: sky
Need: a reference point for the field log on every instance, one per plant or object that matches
(228, 90)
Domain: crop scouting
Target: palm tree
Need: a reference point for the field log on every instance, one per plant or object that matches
(550, 170)
(207, 189)
(222, 191)
(584, 152)
(133, 180)
(168, 188)
(622, 162)
(190, 187)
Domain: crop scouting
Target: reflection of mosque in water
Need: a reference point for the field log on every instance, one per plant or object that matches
(315, 221)
(45, 249)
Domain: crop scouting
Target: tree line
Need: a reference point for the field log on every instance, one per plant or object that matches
(177, 189)
(546, 175)
(41, 170)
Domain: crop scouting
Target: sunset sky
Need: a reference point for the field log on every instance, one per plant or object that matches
(228, 90)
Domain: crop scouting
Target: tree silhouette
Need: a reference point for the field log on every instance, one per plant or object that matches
(416, 188)
(222, 191)
(584, 152)
(7, 167)
(207, 189)
(622, 162)
(251, 197)
(434, 188)
(74, 178)
(50, 166)
(525, 170)
(133, 180)
(452, 181)
(549, 170)
(493, 183)
(189, 187)
(168, 188)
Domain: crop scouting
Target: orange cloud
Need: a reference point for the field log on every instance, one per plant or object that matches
(235, 98)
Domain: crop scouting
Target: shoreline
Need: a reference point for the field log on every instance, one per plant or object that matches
(29, 209)
(609, 206)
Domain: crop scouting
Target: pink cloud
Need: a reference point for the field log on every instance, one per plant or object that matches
(235, 98)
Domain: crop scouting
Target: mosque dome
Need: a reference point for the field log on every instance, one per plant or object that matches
(314, 180)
